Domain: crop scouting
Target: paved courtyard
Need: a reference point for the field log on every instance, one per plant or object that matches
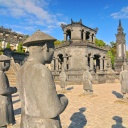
(104, 109)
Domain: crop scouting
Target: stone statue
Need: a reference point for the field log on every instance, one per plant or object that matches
(6, 106)
(124, 80)
(87, 81)
(40, 103)
(63, 79)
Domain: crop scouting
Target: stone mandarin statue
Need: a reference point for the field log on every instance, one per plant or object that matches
(124, 80)
(87, 81)
(6, 106)
(63, 79)
(40, 103)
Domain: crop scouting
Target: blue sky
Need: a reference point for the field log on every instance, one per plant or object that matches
(27, 16)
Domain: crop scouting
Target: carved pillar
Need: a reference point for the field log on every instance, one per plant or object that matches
(84, 35)
(105, 64)
(91, 64)
(101, 64)
(56, 63)
(65, 36)
(90, 37)
(94, 38)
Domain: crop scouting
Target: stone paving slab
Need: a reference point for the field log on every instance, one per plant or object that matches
(104, 109)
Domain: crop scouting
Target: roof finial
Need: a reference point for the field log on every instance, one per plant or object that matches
(120, 22)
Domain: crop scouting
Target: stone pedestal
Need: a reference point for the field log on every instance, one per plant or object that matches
(118, 65)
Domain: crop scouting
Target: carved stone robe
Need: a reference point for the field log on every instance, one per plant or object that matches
(40, 104)
(87, 80)
(63, 79)
(6, 107)
(124, 81)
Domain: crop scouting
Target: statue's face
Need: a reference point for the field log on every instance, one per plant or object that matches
(5, 65)
(49, 52)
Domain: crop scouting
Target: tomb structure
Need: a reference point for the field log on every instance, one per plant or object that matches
(78, 51)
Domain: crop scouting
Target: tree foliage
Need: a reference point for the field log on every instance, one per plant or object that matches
(112, 53)
(57, 42)
(112, 49)
(99, 42)
(8, 45)
(20, 48)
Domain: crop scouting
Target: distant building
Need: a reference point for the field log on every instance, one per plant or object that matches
(120, 48)
(8, 36)
(79, 51)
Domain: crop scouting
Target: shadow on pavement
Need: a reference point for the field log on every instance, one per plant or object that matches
(117, 94)
(78, 119)
(118, 122)
(16, 101)
(70, 88)
(17, 111)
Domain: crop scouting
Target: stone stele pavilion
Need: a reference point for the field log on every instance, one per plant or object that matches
(77, 52)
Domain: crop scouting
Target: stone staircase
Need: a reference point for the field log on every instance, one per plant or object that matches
(11, 76)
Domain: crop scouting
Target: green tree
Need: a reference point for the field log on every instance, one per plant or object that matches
(99, 42)
(8, 45)
(20, 48)
(57, 43)
(112, 53)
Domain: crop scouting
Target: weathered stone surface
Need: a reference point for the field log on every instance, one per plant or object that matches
(78, 51)
(124, 80)
(87, 81)
(40, 103)
(6, 107)
(120, 48)
(63, 79)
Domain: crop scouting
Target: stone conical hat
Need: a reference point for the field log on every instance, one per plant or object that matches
(4, 58)
(38, 37)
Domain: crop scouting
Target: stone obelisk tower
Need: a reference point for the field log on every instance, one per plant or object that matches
(120, 48)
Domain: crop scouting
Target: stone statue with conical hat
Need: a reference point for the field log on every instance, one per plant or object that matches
(6, 106)
(124, 80)
(40, 103)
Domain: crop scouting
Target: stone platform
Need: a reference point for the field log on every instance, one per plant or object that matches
(104, 109)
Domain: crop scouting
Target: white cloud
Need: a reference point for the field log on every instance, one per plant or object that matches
(107, 6)
(122, 14)
(31, 12)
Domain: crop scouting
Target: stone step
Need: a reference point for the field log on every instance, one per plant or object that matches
(11, 77)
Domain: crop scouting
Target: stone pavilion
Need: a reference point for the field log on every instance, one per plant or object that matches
(77, 52)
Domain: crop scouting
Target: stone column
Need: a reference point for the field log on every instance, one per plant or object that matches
(91, 64)
(65, 36)
(94, 39)
(90, 37)
(56, 63)
(101, 64)
(84, 35)
(105, 64)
